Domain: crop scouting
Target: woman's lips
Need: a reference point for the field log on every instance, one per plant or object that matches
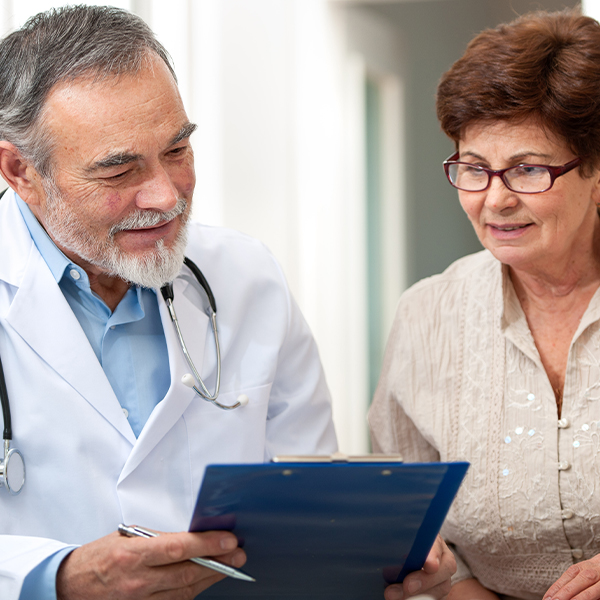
(507, 231)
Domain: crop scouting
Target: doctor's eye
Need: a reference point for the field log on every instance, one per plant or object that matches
(178, 151)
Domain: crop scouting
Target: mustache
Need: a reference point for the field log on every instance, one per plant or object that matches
(148, 218)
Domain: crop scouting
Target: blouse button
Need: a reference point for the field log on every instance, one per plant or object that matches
(563, 423)
(564, 465)
(125, 411)
(577, 553)
(567, 513)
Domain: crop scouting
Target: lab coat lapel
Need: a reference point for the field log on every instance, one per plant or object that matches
(43, 318)
(195, 326)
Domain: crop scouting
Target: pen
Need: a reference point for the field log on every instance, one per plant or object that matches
(215, 565)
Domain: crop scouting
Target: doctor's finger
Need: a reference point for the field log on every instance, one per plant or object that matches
(180, 580)
(171, 548)
(187, 580)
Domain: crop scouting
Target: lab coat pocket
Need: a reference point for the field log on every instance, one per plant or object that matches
(218, 436)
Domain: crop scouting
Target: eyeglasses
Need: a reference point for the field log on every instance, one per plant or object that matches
(523, 179)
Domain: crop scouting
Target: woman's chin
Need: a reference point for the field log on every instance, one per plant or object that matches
(517, 257)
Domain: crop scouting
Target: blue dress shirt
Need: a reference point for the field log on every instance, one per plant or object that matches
(129, 344)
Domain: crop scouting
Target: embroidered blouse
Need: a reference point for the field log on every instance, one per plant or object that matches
(462, 380)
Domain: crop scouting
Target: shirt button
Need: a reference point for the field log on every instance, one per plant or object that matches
(125, 412)
(563, 423)
(74, 273)
(567, 513)
(113, 326)
(577, 553)
(564, 465)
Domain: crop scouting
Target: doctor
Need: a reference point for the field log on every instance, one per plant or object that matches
(95, 146)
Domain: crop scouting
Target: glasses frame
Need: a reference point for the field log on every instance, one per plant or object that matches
(555, 173)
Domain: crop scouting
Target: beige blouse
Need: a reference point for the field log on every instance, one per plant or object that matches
(463, 380)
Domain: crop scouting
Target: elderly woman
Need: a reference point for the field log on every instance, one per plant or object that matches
(497, 360)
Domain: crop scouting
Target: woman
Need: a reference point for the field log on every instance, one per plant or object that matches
(497, 360)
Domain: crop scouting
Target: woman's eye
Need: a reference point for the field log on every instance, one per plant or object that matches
(472, 170)
(529, 171)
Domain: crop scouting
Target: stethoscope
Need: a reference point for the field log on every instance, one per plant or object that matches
(188, 379)
(12, 467)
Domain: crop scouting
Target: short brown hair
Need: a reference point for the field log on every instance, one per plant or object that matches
(542, 65)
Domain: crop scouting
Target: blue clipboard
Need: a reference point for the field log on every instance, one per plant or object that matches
(330, 531)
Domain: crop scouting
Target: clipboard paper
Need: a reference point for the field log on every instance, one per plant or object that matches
(335, 530)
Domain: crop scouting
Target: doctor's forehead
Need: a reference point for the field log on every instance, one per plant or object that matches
(110, 118)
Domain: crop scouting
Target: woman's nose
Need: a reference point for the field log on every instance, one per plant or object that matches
(498, 196)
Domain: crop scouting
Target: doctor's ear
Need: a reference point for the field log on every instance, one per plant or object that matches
(19, 173)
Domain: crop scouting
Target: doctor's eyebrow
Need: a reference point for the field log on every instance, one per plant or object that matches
(113, 160)
(183, 133)
(124, 158)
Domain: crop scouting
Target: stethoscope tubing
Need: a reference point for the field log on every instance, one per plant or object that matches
(202, 391)
(7, 433)
(167, 292)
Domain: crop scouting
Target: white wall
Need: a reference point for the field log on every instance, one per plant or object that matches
(591, 8)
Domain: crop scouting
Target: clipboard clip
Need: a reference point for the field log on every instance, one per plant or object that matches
(338, 457)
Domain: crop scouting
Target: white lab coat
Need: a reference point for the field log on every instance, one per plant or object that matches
(86, 472)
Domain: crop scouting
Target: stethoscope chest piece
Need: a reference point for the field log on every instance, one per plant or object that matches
(12, 470)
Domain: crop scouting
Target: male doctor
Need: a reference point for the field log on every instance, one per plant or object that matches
(95, 146)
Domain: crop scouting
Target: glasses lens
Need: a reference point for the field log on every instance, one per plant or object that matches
(528, 178)
(470, 178)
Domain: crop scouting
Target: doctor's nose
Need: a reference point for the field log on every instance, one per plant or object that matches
(158, 192)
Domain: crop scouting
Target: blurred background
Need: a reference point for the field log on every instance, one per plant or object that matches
(318, 135)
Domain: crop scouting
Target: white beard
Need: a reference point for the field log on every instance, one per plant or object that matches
(152, 270)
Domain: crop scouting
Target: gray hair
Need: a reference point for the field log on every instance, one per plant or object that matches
(61, 45)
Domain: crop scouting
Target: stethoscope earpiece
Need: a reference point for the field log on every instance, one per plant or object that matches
(242, 399)
(188, 380)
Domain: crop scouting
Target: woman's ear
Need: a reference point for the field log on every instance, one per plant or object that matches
(19, 173)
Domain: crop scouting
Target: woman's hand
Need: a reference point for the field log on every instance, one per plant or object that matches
(579, 582)
(433, 579)
(470, 589)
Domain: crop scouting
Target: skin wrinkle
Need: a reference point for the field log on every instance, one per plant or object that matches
(118, 159)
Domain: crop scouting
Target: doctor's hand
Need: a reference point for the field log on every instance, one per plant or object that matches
(432, 580)
(579, 582)
(122, 568)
